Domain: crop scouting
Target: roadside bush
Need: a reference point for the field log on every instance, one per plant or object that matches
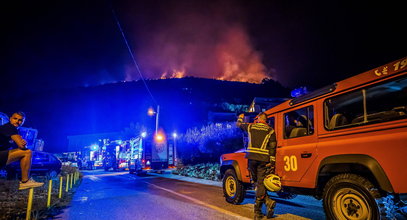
(68, 169)
(208, 143)
(208, 171)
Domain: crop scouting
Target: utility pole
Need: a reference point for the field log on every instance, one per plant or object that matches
(156, 119)
(175, 149)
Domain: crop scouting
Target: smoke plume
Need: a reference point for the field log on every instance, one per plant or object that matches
(201, 40)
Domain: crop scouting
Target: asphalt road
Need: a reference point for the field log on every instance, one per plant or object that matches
(119, 195)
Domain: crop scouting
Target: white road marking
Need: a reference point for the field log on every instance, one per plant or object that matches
(246, 206)
(96, 177)
(82, 199)
(200, 202)
(111, 174)
(93, 178)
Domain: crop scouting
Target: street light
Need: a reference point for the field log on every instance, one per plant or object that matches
(94, 147)
(140, 149)
(151, 112)
(174, 135)
(159, 138)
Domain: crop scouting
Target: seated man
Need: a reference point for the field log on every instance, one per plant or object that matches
(8, 135)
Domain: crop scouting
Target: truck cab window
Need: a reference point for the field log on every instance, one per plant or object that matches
(299, 123)
(380, 103)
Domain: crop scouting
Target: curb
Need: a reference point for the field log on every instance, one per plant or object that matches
(169, 175)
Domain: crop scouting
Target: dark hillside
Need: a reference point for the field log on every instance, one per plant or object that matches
(184, 103)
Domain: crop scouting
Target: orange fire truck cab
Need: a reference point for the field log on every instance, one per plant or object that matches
(345, 144)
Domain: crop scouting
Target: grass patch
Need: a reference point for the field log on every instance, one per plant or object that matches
(13, 202)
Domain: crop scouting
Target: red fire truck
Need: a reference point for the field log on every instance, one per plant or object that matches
(152, 153)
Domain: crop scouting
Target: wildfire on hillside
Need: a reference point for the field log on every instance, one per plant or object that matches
(193, 44)
(232, 59)
(173, 74)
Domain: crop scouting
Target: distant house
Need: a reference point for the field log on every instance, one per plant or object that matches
(261, 104)
(215, 117)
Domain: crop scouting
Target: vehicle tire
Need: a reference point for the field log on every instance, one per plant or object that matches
(286, 195)
(132, 171)
(350, 196)
(233, 190)
(107, 168)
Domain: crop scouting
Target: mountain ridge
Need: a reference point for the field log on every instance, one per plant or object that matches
(184, 103)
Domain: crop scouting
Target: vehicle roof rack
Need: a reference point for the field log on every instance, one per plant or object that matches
(313, 94)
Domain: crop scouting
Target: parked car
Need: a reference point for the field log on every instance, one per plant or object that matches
(43, 164)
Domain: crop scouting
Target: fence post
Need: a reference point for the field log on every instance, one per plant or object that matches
(29, 204)
(70, 183)
(49, 193)
(60, 187)
(67, 183)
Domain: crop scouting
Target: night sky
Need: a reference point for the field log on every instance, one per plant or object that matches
(64, 44)
(49, 45)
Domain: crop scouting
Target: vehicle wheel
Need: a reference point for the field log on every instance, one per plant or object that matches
(233, 190)
(131, 171)
(52, 174)
(106, 168)
(350, 196)
(286, 195)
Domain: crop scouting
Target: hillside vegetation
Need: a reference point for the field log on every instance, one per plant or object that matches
(184, 104)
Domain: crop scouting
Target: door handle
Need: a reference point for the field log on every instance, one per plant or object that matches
(279, 146)
(306, 155)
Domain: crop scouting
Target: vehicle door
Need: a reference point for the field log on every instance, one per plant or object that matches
(296, 150)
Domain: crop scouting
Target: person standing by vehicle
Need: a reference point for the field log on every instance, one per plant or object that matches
(8, 137)
(261, 155)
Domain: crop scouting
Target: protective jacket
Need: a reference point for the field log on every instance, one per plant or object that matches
(262, 141)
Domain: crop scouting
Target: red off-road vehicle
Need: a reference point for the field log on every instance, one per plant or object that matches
(345, 144)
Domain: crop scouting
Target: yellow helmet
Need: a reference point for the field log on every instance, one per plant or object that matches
(272, 183)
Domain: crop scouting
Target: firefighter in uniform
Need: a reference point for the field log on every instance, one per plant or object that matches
(261, 156)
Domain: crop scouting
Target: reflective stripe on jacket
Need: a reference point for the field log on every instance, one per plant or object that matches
(262, 140)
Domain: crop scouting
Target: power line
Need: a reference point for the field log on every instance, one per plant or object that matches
(131, 53)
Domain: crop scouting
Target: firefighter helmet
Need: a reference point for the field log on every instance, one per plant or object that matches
(272, 183)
